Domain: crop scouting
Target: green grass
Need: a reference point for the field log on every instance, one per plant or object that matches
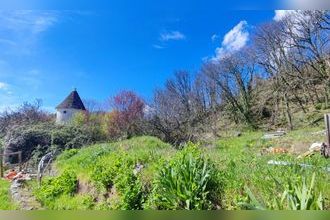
(240, 160)
(244, 166)
(145, 149)
(101, 165)
(5, 203)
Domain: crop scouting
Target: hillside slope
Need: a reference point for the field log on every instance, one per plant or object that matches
(126, 174)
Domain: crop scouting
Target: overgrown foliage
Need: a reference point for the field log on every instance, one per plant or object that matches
(127, 115)
(6, 203)
(145, 173)
(53, 188)
(27, 138)
(296, 196)
(27, 113)
(285, 69)
(188, 181)
(115, 173)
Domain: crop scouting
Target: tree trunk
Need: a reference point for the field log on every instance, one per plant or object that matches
(288, 112)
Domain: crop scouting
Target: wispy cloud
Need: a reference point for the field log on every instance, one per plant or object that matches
(157, 46)
(233, 41)
(167, 36)
(3, 86)
(5, 89)
(214, 37)
(20, 30)
(28, 20)
(172, 35)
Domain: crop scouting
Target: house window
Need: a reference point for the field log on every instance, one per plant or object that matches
(64, 112)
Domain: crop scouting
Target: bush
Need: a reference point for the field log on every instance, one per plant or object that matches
(91, 123)
(68, 154)
(188, 181)
(65, 184)
(115, 173)
(27, 138)
(35, 140)
(70, 136)
(25, 114)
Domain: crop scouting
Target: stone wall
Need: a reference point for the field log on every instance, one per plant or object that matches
(65, 115)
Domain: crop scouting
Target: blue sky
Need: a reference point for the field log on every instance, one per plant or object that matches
(45, 54)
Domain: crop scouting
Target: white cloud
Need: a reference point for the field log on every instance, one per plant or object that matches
(20, 29)
(3, 86)
(28, 20)
(214, 37)
(233, 41)
(159, 47)
(281, 14)
(172, 35)
(5, 90)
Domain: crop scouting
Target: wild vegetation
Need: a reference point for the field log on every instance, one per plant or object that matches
(145, 173)
(6, 203)
(202, 146)
(284, 70)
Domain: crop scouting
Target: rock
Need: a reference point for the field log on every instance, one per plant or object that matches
(273, 135)
(23, 196)
(315, 147)
(237, 134)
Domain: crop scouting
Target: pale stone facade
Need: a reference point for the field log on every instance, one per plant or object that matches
(65, 115)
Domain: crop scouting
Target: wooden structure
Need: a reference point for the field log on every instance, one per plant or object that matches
(325, 150)
(19, 155)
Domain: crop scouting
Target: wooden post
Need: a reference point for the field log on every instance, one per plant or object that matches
(325, 150)
(1, 165)
(20, 160)
(327, 127)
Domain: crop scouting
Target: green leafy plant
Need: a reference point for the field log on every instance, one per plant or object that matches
(6, 203)
(115, 173)
(296, 196)
(52, 188)
(186, 182)
(68, 154)
(303, 197)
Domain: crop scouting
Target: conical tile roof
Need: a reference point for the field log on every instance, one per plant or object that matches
(73, 101)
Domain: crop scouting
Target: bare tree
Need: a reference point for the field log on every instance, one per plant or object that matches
(95, 106)
(234, 76)
(27, 113)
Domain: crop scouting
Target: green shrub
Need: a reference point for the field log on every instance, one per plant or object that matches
(300, 196)
(68, 154)
(115, 172)
(188, 181)
(296, 196)
(27, 138)
(35, 140)
(92, 123)
(52, 188)
(69, 136)
(130, 191)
